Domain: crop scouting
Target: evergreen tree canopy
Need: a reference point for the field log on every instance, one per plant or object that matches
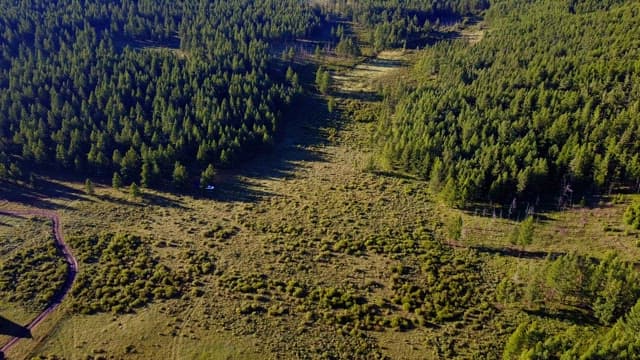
(132, 87)
(548, 101)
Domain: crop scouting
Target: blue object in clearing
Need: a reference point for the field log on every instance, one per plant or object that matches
(210, 187)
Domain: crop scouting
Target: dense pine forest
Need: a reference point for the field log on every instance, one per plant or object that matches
(96, 88)
(546, 104)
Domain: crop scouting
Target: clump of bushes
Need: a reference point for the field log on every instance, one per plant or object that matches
(442, 289)
(33, 275)
(220, 233)
(249, 284)
(250, 308)
(120, 274)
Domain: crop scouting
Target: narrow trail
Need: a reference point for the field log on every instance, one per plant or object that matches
(71, 274)
(179, 338)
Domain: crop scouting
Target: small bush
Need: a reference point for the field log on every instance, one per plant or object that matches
(632, 215)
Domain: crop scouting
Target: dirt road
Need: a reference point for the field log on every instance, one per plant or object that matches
(71, 274)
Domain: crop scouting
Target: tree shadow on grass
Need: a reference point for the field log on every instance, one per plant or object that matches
(575, 316)
(161, 200)
(146, 198)
(361, 95)
(300, 141)
(39, 194)
(526, 254)
(119, 200)
(235, 190)
(241, 184)
(394, 174)
(387, 63)
(9, 328)
(511, 252)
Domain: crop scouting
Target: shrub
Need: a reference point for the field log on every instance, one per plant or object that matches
(632, 215)
(33, 274)
(120, 274)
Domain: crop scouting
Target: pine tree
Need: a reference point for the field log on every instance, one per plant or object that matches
(522, 234)
(146, 175)
(632, 320)
(323, 80)
(450, 193)
(632, 215)
(15, 171)
(88, 187)
(180, 177)
(319, 73)
(516, 342)
(116, 181)
(331, 104)
(207, 176)
(134, 190)
(130, 164)
(454, 228)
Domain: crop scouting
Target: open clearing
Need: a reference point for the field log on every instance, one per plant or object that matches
(366, 76)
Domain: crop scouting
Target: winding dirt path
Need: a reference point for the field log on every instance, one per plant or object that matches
(71, 274)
